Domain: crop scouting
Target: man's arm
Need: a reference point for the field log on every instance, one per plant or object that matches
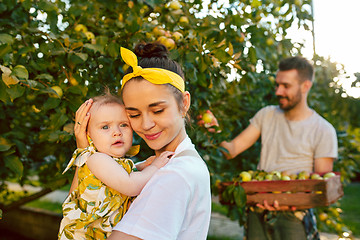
(241, 142)
(323, 165)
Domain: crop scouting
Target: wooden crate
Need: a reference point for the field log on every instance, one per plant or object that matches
(302, 194)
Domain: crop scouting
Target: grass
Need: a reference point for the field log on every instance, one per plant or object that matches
(219, 238)
(351, 209)
(349, 205)
(218, 208)
(46, 205)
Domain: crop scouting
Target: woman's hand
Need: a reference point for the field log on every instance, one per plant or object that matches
(275, 207)
(82, 117)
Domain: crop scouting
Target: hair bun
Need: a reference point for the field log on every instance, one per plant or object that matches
(149, 50)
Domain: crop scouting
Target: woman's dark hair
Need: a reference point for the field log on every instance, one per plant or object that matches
(156, 55)
(304, 68)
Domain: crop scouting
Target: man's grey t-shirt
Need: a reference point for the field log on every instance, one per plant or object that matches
(293, 146)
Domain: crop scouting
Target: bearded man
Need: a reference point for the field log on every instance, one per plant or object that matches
(294, 138)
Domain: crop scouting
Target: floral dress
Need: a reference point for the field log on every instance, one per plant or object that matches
(92, 209)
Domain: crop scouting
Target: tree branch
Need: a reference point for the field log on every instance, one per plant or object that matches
(25, 200)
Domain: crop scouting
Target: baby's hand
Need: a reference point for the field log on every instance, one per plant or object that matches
(162, 160)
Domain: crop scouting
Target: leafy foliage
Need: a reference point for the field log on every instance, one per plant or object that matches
(56, 54)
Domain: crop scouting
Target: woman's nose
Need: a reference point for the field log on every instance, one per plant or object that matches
(147, 122)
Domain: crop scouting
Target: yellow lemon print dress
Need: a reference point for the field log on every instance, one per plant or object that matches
(92, 209)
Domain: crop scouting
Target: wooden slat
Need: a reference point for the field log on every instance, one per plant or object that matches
(299, 193)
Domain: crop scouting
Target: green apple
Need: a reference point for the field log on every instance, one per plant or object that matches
(245, 176)
(80, 28)
(177, 36)
(276, 175)
(184, 19)
(323, 216)
(269, 177)
(260, 176)
(269, 41)
(303, 175)
(175, 5)
(285, 178)
(315, 176)
(169, 43)
(207, 117)
(293, 176)
(158, 31)
(329, 175)
(73, 81)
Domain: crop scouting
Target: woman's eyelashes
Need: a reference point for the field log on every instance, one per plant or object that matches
(135, 115)
(158, 111)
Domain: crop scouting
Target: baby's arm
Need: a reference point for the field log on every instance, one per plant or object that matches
(74, 183)
(107, 170)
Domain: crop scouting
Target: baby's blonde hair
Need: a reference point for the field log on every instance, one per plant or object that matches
(107, 98)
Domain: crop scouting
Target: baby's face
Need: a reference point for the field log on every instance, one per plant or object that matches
(110, 130)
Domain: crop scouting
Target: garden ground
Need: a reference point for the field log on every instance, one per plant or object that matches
(221, 227)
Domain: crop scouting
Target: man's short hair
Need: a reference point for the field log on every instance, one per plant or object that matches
(304, 68)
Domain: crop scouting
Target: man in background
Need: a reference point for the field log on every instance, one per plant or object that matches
(294, 138)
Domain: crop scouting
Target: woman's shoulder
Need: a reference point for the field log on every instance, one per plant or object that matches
(187, 164)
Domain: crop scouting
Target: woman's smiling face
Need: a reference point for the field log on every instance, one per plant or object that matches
(154, 114)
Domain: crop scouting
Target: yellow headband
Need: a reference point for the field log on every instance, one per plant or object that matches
(153, 75)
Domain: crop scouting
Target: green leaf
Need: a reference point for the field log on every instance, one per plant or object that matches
(78, 58)
(51, 103)
(80, 90)
(20, 71)
(15, 91)
(4, 97)
(35, 84)
(95, 47)
(102, 40)
(240, 196)
(45, 76)
(113, 50)
(6, 39)
(47, 6)
(83, 56)
(58, 120)
(252, 55)
(4, 49)
(13, 163)
(5, 144)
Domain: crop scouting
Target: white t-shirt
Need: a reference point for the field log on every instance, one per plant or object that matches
(175, 203)
(293, 145)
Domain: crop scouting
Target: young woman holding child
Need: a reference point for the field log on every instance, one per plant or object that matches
(176, 202)
(104, 180)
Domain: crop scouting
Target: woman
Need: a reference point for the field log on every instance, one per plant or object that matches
(176, 202)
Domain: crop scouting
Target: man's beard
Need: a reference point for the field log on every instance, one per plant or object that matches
(291, 103)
